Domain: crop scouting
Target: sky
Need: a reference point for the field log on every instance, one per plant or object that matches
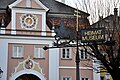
(95, 8)
(69, 2)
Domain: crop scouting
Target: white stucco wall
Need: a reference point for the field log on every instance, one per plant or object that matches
(53, 53)
(96, 76)
(3, 57)
(54, 64)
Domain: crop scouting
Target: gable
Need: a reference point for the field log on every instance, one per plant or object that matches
(28, 16)
(28, 4)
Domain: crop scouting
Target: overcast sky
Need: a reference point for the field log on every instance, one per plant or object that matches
(102, 5)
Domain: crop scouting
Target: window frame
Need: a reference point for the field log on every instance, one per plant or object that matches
(41, 55)
(66, 55)
(84, 78)
(17, 55)
(66, 78)
(84, 56)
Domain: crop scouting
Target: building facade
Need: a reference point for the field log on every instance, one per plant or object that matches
(25, 29)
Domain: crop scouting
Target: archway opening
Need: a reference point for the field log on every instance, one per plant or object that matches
(28, 77)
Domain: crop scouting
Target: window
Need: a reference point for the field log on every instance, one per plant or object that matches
(66, 53)
(84, 54)
(84, 79)
(17, 51)
(39, 52)
(66, 78)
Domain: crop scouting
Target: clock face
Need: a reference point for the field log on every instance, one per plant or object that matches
(28, 21)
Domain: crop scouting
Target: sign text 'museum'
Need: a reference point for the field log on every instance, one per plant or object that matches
(92, 35)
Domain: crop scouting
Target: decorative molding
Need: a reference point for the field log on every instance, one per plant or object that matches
(44, 7)
(72, 67)
(28, 3)
(28, 10)
(2, 30)
(13, 25)
(43, 24)
(15, 3)
(28, 65)
(50, 39)
(29, 21)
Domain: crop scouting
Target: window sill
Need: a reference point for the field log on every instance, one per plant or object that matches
(66, 58)
(38, 58)
(17, 57)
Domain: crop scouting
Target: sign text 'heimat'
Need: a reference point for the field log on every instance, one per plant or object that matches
(90, 35)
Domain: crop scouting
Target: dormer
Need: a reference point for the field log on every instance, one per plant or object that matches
(28, 15)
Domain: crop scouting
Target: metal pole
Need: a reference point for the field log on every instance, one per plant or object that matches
(77, 61)
(77, 51)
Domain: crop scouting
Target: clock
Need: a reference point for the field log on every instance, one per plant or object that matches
(28, 21)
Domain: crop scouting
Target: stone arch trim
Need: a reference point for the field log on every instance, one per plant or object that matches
(16, 75)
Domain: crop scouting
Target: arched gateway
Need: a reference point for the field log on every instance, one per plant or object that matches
(28, 77)
(28, 70)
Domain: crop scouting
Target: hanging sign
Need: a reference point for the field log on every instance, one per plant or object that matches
(94, 34)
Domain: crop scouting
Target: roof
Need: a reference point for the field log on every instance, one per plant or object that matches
(54, 6)
(110, 17)
(5, 3)
(109, 20)
(108, 23)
